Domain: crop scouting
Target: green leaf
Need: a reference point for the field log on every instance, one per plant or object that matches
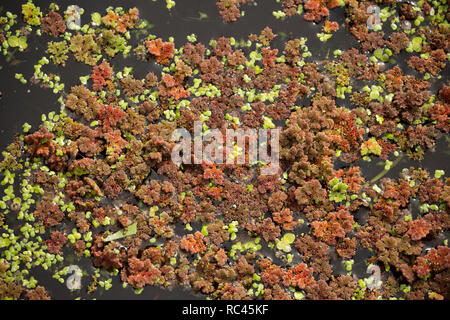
(128, 231)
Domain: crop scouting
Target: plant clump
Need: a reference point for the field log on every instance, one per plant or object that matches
(97, 178)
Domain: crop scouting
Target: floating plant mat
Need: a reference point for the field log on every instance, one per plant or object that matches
(94, 204)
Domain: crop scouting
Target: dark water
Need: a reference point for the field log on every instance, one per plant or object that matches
(25, 103)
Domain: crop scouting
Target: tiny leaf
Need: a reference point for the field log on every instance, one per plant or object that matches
(128, 231)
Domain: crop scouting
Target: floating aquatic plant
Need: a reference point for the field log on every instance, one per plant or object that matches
(285, 242)
(129, 231)
(103, 163)
(31, 13)
(58, 52)
(18, 42)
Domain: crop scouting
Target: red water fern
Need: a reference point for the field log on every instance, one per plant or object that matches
(101, 75)
(285, 219)
(439, 258)
(56, 242)
(53, 23)
(121, 22)
(161, 51)
(269, 57)
(315, 10)
(193, 243)
(335, 226)
(115, 144)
